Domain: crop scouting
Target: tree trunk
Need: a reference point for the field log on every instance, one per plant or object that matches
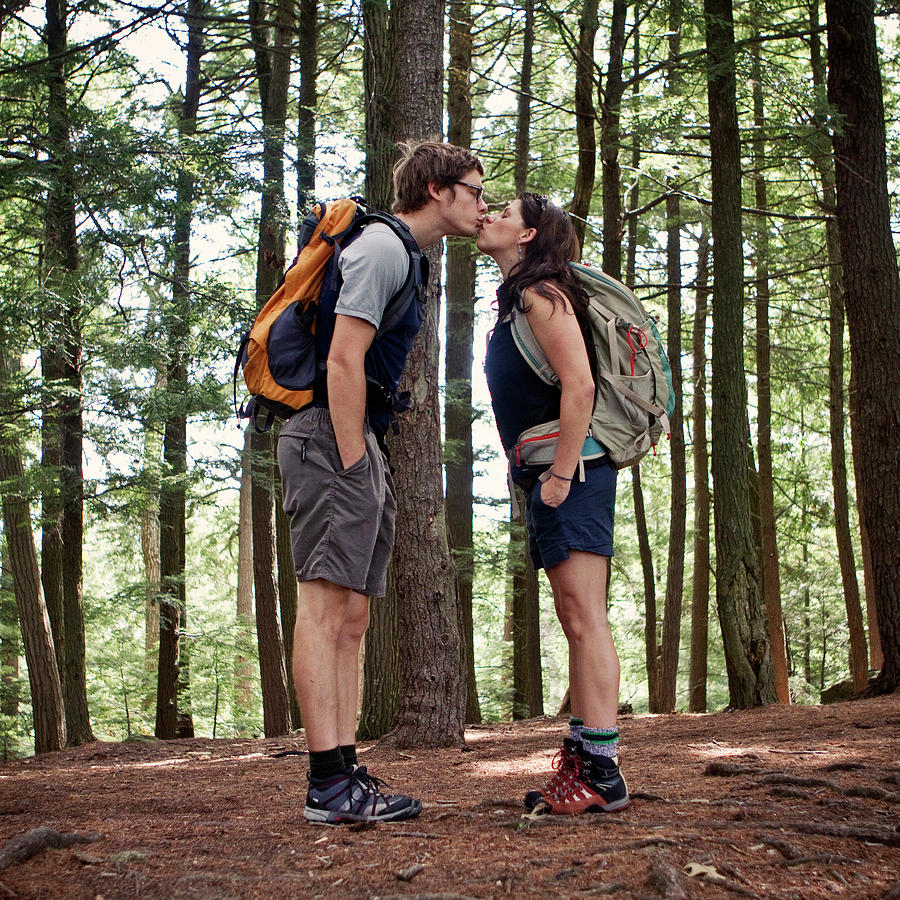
(380, 80)
(610, 103)
(872, 298)
(768, 535)
(700, 589)
(43, 675)
(381, 685)
(651, 638)
(585, 117)
(528, 689)
(287, 591)
(460, 335)
(432, 702)
(10, 643)
(522, 621)
(273, 63)
(308, 59)
(671, 632)
(173, 716)
(523, 117)
(62, 342)
(747, 654)
(243, 672)
(859, 668)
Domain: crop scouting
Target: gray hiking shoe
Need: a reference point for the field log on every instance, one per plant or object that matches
(354, 796)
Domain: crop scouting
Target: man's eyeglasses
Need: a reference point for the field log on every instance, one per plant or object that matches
(479, 190)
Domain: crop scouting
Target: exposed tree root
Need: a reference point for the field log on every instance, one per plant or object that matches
(667, 881)
(24, 846)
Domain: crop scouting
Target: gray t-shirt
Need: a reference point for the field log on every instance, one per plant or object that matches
(373, 268)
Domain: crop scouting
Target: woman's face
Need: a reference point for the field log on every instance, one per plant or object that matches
(501, 233)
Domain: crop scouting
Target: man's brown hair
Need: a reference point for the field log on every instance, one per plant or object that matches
(428, 162)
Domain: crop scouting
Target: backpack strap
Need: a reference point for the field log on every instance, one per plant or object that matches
(531, 350)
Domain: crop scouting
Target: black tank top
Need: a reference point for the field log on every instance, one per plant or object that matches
(519, 397)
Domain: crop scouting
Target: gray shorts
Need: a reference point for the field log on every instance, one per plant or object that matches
(342, 520)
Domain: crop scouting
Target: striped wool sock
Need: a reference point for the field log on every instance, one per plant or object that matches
(600, 741)
(576, 726)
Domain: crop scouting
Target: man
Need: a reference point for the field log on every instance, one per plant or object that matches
(338, 489)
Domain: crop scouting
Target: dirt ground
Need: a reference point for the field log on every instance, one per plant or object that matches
(777, 803)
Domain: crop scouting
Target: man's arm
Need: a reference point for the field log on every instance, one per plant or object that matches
(347, 385)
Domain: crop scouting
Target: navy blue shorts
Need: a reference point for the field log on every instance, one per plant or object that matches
(584, 520)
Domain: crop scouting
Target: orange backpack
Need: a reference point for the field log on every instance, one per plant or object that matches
(280, 356)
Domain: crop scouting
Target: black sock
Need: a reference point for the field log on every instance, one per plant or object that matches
(348, 751)
(325, 763)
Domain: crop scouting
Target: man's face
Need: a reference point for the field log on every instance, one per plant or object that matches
(462, 205)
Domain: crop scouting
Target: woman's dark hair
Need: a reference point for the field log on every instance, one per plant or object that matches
(544, 266)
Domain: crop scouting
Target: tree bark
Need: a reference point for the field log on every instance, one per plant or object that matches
(173, 715)
(585, 117)
(700, 588)
(651, 638)
(432, 702)
(460, 335)
(523, 116)
(243, 672)
(747, 653)
(872, 297)
(671, 632)
(528, 688)
(272, 44)
(61, 353)
(380, 82)
(381, 684)
(308, 59)
(610, 103)
(768, 534)
(824, 164)
(43, 675)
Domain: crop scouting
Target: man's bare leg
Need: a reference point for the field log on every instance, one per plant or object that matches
(321, 613)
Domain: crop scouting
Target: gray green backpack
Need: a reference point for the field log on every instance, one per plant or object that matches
(634, 397)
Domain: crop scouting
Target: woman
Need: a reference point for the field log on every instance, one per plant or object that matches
(569, 506)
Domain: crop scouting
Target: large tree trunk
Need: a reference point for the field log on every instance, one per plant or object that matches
(43, 674)
(747, 654)
(700, 588)
(460, 334)
(824, 163)
(872, 297)
(62, 352)
(381, 684)
(768, 534)
(273, 63)
(432, 702)
(585, 117)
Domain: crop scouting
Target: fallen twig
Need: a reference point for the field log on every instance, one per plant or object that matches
(410, 872)
(24, 846)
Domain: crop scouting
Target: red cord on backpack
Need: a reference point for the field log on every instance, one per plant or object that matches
(641, 343)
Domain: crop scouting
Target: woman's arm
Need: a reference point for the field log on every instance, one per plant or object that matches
(557, 331)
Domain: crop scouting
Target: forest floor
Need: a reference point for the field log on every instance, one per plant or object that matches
(800, 802)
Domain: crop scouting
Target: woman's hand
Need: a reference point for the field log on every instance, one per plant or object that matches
(554, 491)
